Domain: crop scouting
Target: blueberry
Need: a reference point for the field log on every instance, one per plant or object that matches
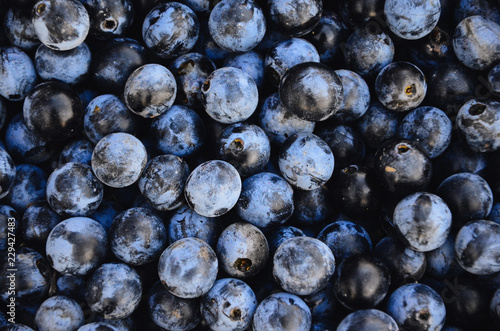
(400, 86)
(237, 25)
(402, 167)
(179, 131)
(70, 286)
(412, 19)
(109, 19)
(416, 307)
(495, 307)
(442, 262)
(434, 50)
(7, 173)
(97, 326)
(229, 95)
(70, 67)
(107, 114)
(79, 150)
(476, 41)
(18, 75)
(29, 186)
(114, 290)
(295, 18)
(287, 53)
(113, 63)
(361, 13)
(170, 312)
(229, 305)
(19, 30)
(405, 264)
(170, 29)
(73, 190)
(306, 161)
(59, 313)
(312, 91)
(150, 90)
(417, 124)
(213, 188)
(106, 212)
(279, 123)
(245, 146)
(250, 62)
(119, 159)
(266, 199)
(480, 123)
(32, 277)
(162, 182)
(282, 311)
(468, 196)
(76, 246)
(60, 25)
(54, 111)
(313, 207)
(476, 247)
(7, 214)
(378, 125)
(185, 222)
(137, 236)
(303, 265)
(368, 319)
(357, 191)
(242, 250)
(188, 268)
(346, 238)
(280, 234)
(424, 221)
(367, 51)
(190, 71)
(328, 37)
(356, 99)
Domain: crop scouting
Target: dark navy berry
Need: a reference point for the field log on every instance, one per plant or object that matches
(303, 265)
(119, 159)
(37, 222)
(137, 236)
(73, 190)
(213, 188)
(60, 25)
(245, 146)
(7, 173)
(185, 222)
(188, 268)
(346, 238)
(59, 313)
(412, 19)
(295, 18)
(162, 182)
(229, 305)
(356, 99)
(285, 54)
(279, 123)
(170, 29)
(250, 62)
(442, 262)
(237, 25)
(368, 319)
(476, 246)
(312, 91)
(29, 186)
(266, 199)
(170, 312)
(417, 307)
(400, 86)
(109, 18)
(281, 234)
(242, 250)
(54, 111)
(313, 207)
(306, 161)
(19, 30)
(18, 75)
(423, 220)
(70, 67)
(229, 95)
(76, 246)
(150, 90)
(77, 151)
(282, 311)
(378, 125)
(429, 127)
(480, 124)
(114, 290)
(179, 131)
(476, 42)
